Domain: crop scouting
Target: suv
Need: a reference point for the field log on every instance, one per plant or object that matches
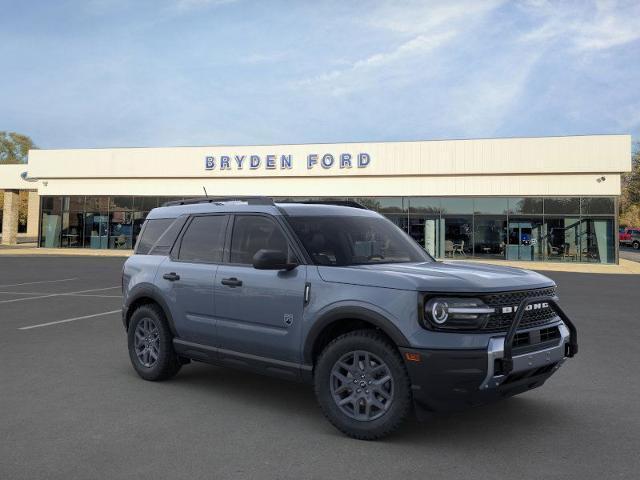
(340, 297)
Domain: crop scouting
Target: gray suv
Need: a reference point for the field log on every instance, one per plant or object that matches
(338, 296)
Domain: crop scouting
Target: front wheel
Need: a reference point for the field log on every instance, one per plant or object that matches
(362, 385)
(636, 245)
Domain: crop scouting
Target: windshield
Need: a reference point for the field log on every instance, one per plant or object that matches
(344, 241)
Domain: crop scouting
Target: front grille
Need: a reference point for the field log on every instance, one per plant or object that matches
(532, 318)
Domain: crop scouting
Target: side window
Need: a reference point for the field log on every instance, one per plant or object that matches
(151, 233)
(168, 238)
(252, 233)
(203, 242)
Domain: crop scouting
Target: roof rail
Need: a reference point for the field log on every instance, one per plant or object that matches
(220, 200)
(340, 203)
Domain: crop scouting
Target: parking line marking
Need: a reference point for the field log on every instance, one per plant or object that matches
(91, 295)
(57, 294)
(70, 320)
(41, 281)
(62, 294)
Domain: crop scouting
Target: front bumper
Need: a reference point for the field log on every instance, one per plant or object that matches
(448, 380)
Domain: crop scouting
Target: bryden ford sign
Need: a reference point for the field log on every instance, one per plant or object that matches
(286, 162)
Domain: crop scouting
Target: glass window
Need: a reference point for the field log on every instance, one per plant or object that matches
(421, 205)
(252, 233)
(151, 233)
(525, 206)
(164, 244)
(163, 200)
(204, 239)
(562, 205)
(457, 206)
(120, 230)
(97, 204)
(51, 224)
(562, 238)
(138, 222)
(120, 203)
(386, 205)
(355, 240)
(490, 206)
(597, 242)
(145, 204)
(458, 236)
(490, 237)
(73, 222)
(597, 206)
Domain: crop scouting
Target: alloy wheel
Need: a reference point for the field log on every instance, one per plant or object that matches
(362, 385)
(147, 342)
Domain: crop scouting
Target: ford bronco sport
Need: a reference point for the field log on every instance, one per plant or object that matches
(340, 297)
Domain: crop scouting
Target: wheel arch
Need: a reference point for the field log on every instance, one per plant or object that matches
(329, 324)
(142, 295)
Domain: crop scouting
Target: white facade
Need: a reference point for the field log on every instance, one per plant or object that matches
(488, 167)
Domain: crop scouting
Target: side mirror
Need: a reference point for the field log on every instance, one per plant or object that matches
(272, 260)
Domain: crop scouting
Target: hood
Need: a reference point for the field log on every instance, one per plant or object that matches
(447, 277)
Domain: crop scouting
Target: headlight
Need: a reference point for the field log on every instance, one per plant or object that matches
(456, 313)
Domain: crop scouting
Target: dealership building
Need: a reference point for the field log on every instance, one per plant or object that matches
(534, 199)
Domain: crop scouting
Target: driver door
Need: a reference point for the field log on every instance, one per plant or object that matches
(258, 312)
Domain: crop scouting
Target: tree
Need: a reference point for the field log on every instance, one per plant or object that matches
(630, 198)
(14, 147)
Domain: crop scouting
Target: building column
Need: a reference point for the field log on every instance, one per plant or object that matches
(10, 217)
(33, 214)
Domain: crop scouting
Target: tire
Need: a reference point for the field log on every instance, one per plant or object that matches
(636, 245)
(150, 318)
(368, 413)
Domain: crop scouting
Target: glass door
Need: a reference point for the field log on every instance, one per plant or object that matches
(97, 230)
(524, 240)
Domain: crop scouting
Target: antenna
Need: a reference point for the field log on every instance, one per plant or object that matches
(205, 192)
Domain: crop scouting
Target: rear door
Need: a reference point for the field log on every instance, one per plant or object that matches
(259, 312)
(187, 277)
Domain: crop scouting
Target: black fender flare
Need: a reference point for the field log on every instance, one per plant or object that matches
(352, 312)
(150, 292)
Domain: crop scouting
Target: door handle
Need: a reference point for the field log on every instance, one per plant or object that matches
(231, 282)
(172, 277)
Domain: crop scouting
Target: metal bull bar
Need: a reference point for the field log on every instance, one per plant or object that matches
(571, 347)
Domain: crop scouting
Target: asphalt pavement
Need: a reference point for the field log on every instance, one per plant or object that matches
(629, 253)
(71, 406)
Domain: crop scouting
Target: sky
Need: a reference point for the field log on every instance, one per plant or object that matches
(114, 73)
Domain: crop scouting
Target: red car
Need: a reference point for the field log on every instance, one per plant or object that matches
(629, 237)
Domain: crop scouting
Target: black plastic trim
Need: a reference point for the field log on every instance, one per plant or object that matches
(244, 361)
(351, 313)
(146, 291)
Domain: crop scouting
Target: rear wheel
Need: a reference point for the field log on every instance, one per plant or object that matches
(150, 344)
(636, 245)
(362, 385)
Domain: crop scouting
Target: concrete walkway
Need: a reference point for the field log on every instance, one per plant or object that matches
(626, 267)
(88, 252)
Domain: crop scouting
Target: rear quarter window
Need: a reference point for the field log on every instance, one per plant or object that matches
(150, 234)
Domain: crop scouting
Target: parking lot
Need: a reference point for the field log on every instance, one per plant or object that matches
(72, 407)
(630, 253)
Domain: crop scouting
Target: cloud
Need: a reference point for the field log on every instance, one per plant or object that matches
(420, 17)
(418, 31)
(605, 25)
(264, 57)
(186, 5)
(361, 73)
